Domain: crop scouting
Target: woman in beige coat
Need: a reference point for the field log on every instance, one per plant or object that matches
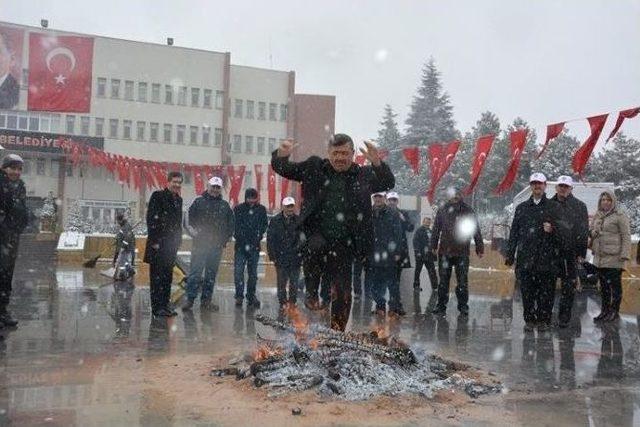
(611, 247)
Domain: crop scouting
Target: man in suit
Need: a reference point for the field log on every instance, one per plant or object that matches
(164, 225)
(9, 88)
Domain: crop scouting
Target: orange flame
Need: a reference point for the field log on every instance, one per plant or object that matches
(264, 351)
(299, 322)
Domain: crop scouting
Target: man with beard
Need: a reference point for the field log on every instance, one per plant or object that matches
(335, 218)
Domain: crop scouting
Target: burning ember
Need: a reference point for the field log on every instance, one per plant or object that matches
(345, 365)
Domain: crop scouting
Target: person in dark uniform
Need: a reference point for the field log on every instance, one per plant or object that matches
(13, 220)
(423, 254)
(164, 226)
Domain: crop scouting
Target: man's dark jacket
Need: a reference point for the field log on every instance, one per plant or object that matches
(407, 227)
(446, 239)
(362, 181)
(164, 227)
(283, 241)
(250, 225)
(575, 220)
(532, 248)
(387, 237)
(211, 220)
(13, 207)
(422, 242)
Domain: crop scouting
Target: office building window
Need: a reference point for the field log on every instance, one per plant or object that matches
(272, 111)
(40, 167)
(182, 95)
(260, 148)
(206, 130)
(206, 102)
(168, 130)
(126, 129)
(262, 110)
(113, 128)
(248, 141)
(84, 125)
(12, 121)
(217, 139)
(168, 94)
(34, 123)
(142, 92)
(54, 171)
(68, 170)
(55, 122)
(250, 109)
(45, 123)
(26, 167)
(272, 145)
(128, 90)
(23, 122)
(219, 99)
(115, 88)
(238, 111)
(71, 124)
(102, 87)
(155, 92)
(195, 97)
(140, 126)
(180, 130)
(193, 135)
(237, 143)
(153, 132)
(283, 112)
(99, 126)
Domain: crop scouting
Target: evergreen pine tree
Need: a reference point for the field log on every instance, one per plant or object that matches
(556, 160)
(75, 221)
(388, 135)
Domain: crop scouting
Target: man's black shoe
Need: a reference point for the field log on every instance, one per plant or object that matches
(253, 303)
(440, 311)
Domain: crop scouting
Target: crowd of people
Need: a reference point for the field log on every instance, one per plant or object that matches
(349, 238)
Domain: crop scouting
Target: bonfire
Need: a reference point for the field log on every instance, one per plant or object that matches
(345, 365)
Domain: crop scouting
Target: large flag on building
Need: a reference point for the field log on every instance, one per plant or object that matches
(60, 73)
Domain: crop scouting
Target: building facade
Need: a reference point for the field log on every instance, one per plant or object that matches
(152, 102)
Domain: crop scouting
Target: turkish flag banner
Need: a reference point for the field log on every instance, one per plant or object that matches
(624, 114)
(412, 156)
(236, 176)
(483, 147)
(271, 189)
(518, 140)
(60, 72)
(258, 171)
(581, 157)
(440, 158)
(552, 132)
(198, 183)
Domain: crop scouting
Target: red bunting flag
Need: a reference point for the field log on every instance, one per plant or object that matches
(271, 189)
(624, 114)
(236, 176)
(198, 183)
(483, 147)
(552, 132)
(518, 140)
(581, 157)
(440, 159)
(149, 179)
(258, 172)
(412, 156)
(135, 171)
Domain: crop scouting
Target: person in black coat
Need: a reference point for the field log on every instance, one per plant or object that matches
(164, 228)
(250, 225)
(407, 227)
(125, 251)
(535, 246)
(423, 254)
(283, 247)
(211, 225)
(455, 226)
(387, 251)
(13, 220)
(335, 217)
(575, 220)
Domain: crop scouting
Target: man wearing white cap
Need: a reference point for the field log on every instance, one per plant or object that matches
(575, 219)
(211, 225)
(535, 246)
(13, 219)
(283, 248)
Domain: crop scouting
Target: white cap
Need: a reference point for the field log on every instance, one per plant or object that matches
(288, 201)
(537, 177)
(392, 195)
(215, 181)
(566, 180)
(379, 194)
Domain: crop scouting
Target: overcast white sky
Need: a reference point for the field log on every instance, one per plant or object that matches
(546, 61)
